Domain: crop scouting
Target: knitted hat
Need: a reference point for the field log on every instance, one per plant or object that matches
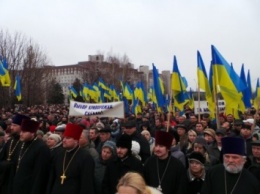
(17, 119)
(135, 147)
(72, 130)
(201, 141)
(233, 145)
(125, 141)
(55, 137)
(111, 145)
(60, 128)
(210, 132)
(29, 125)
(197, 156)
(163, 138)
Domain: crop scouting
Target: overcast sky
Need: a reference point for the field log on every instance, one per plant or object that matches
(147, 31)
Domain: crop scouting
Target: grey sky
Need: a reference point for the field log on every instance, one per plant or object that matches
(147, 31)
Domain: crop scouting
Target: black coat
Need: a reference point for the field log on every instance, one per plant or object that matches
(32, 175)
(7, 168)
(215, 182)
(79, 174)
(174, 179)
(115, 170)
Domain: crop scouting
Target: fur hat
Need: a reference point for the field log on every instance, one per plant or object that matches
(210, 132)
(73, 130)
(233, 145)
(18, 118)
(125, 141)
(163, 138)
(56, 137)
(29, 125)
(198, 157)
(111, 145)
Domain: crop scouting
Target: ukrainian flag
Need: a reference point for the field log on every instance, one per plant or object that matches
(17, 88)
(4, 73)
(158, 89)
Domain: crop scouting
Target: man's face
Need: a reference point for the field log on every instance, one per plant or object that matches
(157, 122)
(92, 134)
(161, 151)
(193, 119)
(121, 152)
(83, 140)
(104, 136)
(106, 153)
(129, 130)
(198, 148)
(233, 163)
(219, 136)
(256, 151)
(199, 127)
(15, 129)
(208, 138)
(245, 132)
(195, 166)
(26, 136)
(69, 142)
(181, 131)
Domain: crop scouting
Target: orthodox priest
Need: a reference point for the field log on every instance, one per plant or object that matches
(162, 171)
(72, 170)
(9, 155)
(230, 177)
(32, 168)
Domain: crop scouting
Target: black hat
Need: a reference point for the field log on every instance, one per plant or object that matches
(255, 143)
(233, 145)
(201, 141)
(130, 124)
(181, 126)
(106, 129)
(198, 157)
(125, 141)
(18, 118)
(175, 135)
(3, 125)
(221, 131)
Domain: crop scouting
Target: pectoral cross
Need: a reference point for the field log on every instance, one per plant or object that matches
(159, 188)
(62, 177)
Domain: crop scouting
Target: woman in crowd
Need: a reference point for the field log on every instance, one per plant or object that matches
(134, 183)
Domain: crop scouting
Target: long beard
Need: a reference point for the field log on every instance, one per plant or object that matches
(235, 169)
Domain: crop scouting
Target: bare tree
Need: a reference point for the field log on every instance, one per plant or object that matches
(26, 59)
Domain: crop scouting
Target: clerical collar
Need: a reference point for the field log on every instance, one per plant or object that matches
(70, 150)
(192, 177)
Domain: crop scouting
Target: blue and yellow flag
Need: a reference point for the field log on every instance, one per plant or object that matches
(4, 73)
(178, 86)
(257, 95)
(229, 83)
(158, 88)
(203, 83)
(246, 92)
(73, 92)
(17, 88)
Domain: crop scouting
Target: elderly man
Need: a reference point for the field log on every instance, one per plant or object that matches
(73, 168)
(162, 170)
(231, 177)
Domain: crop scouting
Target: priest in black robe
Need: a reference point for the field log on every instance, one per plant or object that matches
(230, 177)
(162, 171)
(33, 164)
(72, 171)
(9, 155)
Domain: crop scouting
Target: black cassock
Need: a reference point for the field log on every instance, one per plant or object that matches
(215, 182)
(8, 164)
(79, 174)
(32, 175)
(174, 179)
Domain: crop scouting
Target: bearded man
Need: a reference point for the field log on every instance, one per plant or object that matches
(231, 177)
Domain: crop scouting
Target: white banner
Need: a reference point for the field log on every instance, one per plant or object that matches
(111, 109)
(204, 106)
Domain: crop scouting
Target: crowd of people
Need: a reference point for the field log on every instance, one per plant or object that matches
(43, 150)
